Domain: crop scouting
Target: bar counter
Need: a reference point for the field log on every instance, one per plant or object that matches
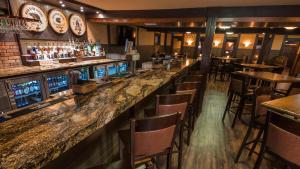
(9, 72)
(34, 139)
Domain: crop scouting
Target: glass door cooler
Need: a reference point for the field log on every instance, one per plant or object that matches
(112, 69)
(56, 82)
(122, 67)
(99, 72)
(84, 73)
(25, 91)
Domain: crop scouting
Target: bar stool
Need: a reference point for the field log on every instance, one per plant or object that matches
(166, 104)
(294, 89)
(191, 88)
(282, 140)
(238, 88)
(257, 119)
(141, 141)
(200, 90)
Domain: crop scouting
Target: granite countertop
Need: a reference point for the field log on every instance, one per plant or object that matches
(23, 70)
(34, 139)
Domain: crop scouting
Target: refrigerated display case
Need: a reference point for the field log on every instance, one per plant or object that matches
(112, 69)
(56, 82)
(25, 91)
(123, 67)
(84, 73)
(99, 71)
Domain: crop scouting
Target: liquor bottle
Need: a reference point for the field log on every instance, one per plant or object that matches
(89, 49)
(97, 48)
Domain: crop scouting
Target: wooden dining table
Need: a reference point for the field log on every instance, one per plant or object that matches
(258, 66)
(269, 76)
(228, 58)
(289, 106)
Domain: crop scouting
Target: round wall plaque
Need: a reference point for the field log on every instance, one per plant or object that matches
(77, 25)
(34, 12)
(58, 21)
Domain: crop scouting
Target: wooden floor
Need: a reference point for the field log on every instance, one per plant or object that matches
(214, 144)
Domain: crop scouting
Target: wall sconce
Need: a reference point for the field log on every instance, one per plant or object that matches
(216, 43)
(230, 44)
(247, 43)
(189, 42)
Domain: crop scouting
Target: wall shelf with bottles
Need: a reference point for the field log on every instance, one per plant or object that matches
(41, 52)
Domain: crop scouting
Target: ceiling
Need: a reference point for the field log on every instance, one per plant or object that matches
(177, 4)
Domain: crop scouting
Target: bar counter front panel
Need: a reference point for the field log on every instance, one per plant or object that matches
(35, 139)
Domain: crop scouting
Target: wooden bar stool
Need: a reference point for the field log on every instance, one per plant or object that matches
(258, 115)
(166, 104)
(200, 91)
(294, 89)
(282, 140)
(238, 88)
(146, 139)
(191, 88)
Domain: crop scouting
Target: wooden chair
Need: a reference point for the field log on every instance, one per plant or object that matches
(257, 119)
(294, 89)
(282, 140)
(146, 139)
(166, 104)
(238, 88)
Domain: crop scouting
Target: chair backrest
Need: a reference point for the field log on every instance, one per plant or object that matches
(145, 133)
(283, 138)
(238, 84)
(193, 78)
(166, 104)
(294, 89)
(261, 94)
(188, 88)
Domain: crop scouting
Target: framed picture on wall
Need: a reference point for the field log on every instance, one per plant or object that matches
(58, 21)
(77, 25)
(32, 11)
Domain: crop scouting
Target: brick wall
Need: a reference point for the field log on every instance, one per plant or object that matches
(9, 53)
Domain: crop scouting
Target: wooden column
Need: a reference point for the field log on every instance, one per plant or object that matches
(172, 43)
(283, 44)
(236, 46)
(165, 42)
(108, 38)
(253, 49)
(196, 49)
(209, 37)
(223, 45)
(137, 36)
(266, 47)
(182, 44)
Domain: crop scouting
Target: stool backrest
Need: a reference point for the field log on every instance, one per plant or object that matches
(283, 138)
(294, 89)
(261, 94)
(238, 84)
(188, 88)
(154, 135)
(166, 104)
(193, 78)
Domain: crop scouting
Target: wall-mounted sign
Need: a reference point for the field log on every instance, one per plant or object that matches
(34, 12)
(77, 25)
(58, 21)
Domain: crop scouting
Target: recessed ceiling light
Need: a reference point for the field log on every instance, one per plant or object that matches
(63, 5)
(60, 2)
(224, 27)
(229, 33)
(188, 32)
(81, 10)
(290, 27)
(150, 24)
(97, 12)
(81, 7)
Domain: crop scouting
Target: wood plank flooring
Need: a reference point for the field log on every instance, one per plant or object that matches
(214, 144)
